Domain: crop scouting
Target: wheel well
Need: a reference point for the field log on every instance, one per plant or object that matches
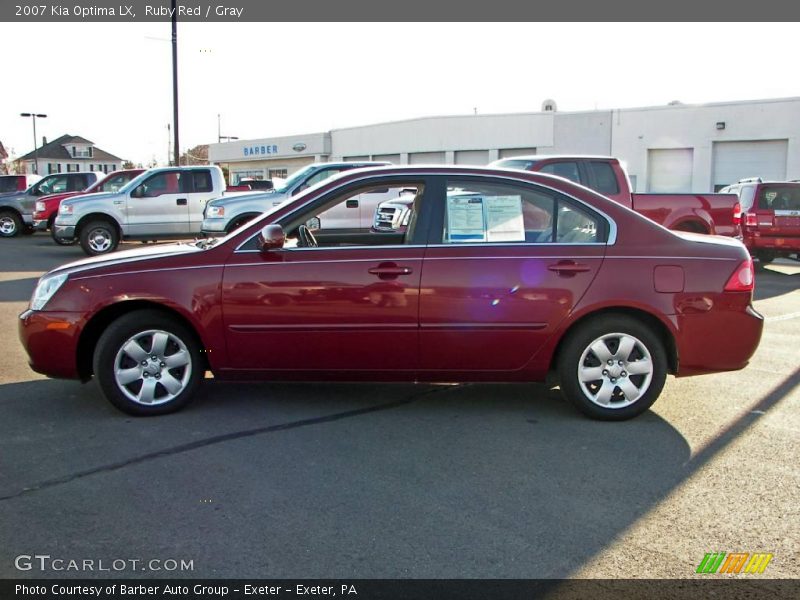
(691, 227)
(11, 209)
(240, 220)
(97, 217)
(99, 322)
(644, 317)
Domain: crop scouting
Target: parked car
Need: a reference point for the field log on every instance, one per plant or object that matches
(17, 183)
(257, 184)
(718, 214)
(160, 204)
(771, 222)
(226, 214)
(501, 276)
(16, 209)
(46, 208)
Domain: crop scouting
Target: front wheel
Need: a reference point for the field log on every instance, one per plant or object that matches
(612, 368)
(148, 364)
(10, 223)
(98, 237)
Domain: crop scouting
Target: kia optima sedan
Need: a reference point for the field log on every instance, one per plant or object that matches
(500, 276)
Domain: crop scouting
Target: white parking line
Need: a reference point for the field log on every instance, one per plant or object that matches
(794, 315)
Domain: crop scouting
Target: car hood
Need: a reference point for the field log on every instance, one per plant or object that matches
(269, 197)
(128, 257)
(95, 196)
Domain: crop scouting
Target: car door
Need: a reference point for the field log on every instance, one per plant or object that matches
(506, 263)
(157, 206)
(341, 311)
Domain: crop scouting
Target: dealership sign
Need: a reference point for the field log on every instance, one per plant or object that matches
(260, 150)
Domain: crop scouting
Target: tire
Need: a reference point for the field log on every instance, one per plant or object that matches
(238, 223)
(765, 257)
(98, 237)
(604, 398)
(27, 230)
(127, 382)
(59, 241)
(10, 223)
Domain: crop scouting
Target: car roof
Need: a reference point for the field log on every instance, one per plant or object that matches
(555, 156)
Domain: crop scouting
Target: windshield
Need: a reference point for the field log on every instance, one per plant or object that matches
(295, 178)
(779, 197)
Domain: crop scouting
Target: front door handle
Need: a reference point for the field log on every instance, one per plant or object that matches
(351, 204)
(568, 268)
(181, 201)
(390, 271)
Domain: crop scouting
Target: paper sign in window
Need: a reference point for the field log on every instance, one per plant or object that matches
(504, 222)
(465, 219)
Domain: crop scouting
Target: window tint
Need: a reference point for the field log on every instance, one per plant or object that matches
(322, 176)
(779, 197)
(202, 181)
(8, 184)
(166, 182)
(567, 170)
(605, 181)
(482, 212)
(53, 185)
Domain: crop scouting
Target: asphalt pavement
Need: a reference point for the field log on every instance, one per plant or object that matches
(372, 481)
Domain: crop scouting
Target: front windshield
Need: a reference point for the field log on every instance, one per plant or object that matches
(296, 177)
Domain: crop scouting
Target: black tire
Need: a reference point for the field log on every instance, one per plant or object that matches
(10, 223)
(136, 325)
(239, 222)
(27, 230)
(59, 241)
(91, 234)
(572, 358)
(765, 257)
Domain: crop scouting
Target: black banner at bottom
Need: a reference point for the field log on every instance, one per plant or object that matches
(401, 589)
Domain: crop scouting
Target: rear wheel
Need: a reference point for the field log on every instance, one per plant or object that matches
(98, 237)
(765, 256)
(148, 364)
(612, 368)
(10, 223)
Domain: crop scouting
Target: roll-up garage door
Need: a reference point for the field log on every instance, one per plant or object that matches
(669, 171)
(392, 158)
(426, 158)
(472, 157)
(736, 160)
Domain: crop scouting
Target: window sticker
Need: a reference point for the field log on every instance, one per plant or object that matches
(465, 219)
(504, 219)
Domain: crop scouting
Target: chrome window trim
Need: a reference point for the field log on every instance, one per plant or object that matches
(612, 225)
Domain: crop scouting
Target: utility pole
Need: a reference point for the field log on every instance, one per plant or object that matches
(169, 145)
(35, 144)
(175, 79)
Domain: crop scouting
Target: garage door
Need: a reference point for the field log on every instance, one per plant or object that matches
(392, 158)
(736, 160)
(669, 171)
(512, 152)
(472, 157)
(426, 158)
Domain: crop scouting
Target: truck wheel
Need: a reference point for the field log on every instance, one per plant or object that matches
(148, 364)
(99, 237)
(59, 241)
(612, 368)
(27, 230)
(10, 223)
(239, 222)
(765, 257)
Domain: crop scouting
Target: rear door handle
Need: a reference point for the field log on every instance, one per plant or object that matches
(568, 268)
(390, 271)
(181, 201)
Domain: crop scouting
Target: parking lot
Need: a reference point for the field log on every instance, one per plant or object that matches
(393, 481)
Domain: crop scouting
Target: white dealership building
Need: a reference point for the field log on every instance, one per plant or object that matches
(673, 148)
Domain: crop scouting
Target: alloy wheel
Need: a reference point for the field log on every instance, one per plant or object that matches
(615, 370)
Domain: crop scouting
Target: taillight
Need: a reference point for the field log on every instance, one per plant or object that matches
(751, 220)
(743, 278)
(737, 214)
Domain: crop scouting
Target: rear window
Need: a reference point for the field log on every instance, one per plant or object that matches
(8, 184)
(779, 197)
(517, 163)
(605, 181)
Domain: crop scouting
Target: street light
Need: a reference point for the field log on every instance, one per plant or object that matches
(35, 147)
(220, 137)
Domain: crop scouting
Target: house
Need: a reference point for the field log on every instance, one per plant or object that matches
(70, 153)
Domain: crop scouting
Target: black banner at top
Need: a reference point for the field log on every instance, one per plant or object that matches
(132, 11)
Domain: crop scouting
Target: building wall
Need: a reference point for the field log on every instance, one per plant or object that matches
(63, 166)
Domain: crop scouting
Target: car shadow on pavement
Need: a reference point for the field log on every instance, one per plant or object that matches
(776, 280)
(17, 290)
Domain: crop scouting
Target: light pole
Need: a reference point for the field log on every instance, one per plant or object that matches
(221, 137)
(175, 81)
(35, 146)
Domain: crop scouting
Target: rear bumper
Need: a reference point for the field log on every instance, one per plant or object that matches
(718, 340)
(776, 243)
(51, 341)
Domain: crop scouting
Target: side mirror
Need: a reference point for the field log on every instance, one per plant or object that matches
(271, 237)
(314, 223)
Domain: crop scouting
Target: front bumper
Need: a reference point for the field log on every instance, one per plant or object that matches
(213, 225)
(27, 219)
(51, 341)
(40, 224)
(64, 232)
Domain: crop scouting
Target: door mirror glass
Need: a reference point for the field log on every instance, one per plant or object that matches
(314, 224)
(271, 237)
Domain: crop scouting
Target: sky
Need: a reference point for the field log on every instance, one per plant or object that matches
(112, 82)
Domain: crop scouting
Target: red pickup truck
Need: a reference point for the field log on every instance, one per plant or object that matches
(718, 214)
(47, 206)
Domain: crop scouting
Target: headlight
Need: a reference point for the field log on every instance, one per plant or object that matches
(47, 286)
(40, 207)
(65, 209)
(214, 212)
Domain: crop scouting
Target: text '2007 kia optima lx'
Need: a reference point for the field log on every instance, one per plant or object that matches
(500, 276)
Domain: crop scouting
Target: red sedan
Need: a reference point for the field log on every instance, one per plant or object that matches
(500, 276)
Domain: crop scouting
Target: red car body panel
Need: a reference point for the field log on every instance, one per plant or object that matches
(449, 312)
(53, 201)
(776, 229)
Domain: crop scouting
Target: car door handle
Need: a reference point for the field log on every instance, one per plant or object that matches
(568, 268)
(390, 271)
(181, 201)
(351, 204)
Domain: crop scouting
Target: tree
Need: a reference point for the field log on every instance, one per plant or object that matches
(196, 156)
(128, 165)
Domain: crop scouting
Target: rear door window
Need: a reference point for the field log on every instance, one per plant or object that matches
(8, 184)
(605, 180)
(779, 197)
(567, 170)
(197, 181)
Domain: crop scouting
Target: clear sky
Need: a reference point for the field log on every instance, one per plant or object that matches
(112, 83)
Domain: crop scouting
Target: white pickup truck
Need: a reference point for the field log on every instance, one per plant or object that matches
(163, 203)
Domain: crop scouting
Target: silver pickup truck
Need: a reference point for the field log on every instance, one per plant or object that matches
(163, 203)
